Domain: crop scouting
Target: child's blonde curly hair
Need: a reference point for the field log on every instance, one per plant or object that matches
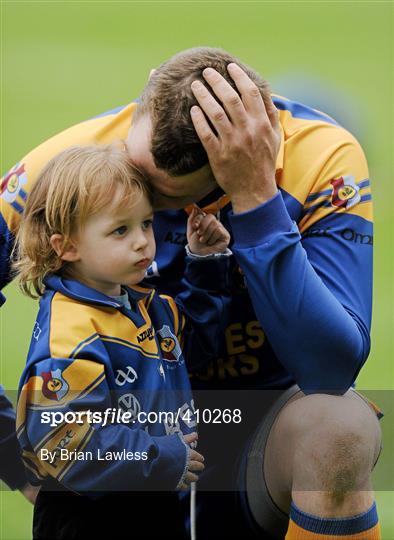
(74, 185)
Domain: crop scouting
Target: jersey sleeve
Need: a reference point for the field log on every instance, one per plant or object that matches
(13, 195)
(201, 309)
(73, 449)
(15, 187)
(311, 284)
(12, 470)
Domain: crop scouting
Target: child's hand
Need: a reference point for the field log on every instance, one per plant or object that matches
(195, 465)
(205, 234)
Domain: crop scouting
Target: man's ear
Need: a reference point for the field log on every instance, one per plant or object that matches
(151, 73)
(69, 252)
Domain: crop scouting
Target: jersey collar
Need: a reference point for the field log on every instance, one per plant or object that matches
(82, 293)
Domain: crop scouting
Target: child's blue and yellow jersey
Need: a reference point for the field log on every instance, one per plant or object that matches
(89, 352)
(301, 281)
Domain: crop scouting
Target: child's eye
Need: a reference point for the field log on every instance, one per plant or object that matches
(120, 231)
(147, 224)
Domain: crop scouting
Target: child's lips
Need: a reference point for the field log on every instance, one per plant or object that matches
(143, 263)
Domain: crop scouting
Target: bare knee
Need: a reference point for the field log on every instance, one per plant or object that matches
(333, 441)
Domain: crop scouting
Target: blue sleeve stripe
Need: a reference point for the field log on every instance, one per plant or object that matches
(17, 206)
(313, 196)
(128, 344)
(23, 194)
(112, 339)
(298, 110)
(364, 183)
(327, 204)
(82, 344)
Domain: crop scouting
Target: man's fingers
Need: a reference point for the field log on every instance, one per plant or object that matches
(204, 132)
(211, 107)
(251, 95)
(272, 112)
(227, 95)
(255, 103)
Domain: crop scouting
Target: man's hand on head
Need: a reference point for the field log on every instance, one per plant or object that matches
(243, 151)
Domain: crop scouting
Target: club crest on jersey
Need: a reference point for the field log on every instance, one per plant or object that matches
(170, 348)
(54, 385)
(345, 192)
(12, 183)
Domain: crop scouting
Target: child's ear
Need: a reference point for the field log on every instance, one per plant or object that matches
(67, 253)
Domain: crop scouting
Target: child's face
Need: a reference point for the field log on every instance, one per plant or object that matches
(115, 247)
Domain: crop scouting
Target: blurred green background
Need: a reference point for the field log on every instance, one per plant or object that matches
(63, 62)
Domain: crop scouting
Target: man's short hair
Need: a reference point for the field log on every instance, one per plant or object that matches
(168, 98)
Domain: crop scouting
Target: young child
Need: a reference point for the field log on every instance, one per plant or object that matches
(103, 346)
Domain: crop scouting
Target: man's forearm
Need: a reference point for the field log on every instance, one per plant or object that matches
(322, 344)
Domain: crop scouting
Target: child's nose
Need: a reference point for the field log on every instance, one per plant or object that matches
(140, 241)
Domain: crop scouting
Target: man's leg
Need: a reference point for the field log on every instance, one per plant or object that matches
(318, 461)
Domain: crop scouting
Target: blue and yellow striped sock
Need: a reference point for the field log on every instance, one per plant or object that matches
(303, 526)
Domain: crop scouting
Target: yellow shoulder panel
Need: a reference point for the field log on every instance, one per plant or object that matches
(81, 377)
(74, 325)
(324, 169)
(100, 130)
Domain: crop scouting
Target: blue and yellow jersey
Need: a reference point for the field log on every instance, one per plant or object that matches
(91, 353)
(301, 280)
